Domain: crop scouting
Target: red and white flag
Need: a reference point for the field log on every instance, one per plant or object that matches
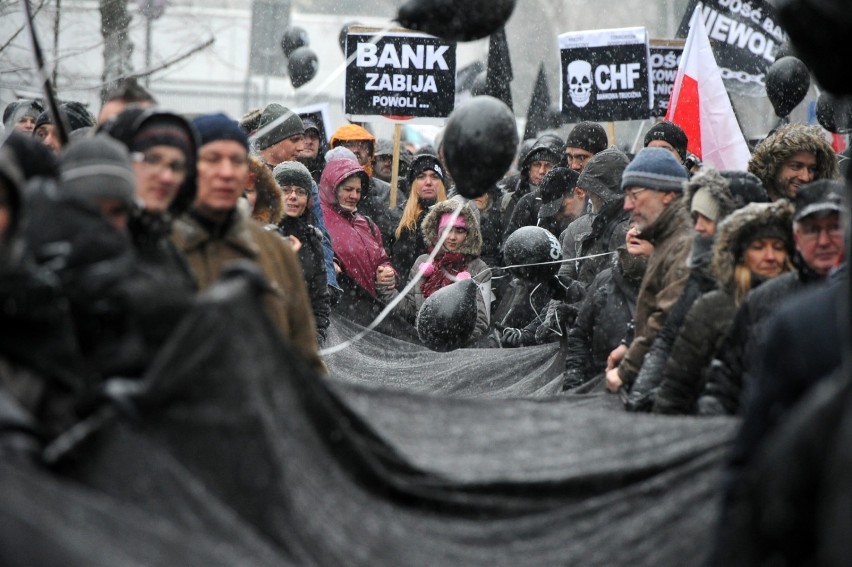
(700, 104)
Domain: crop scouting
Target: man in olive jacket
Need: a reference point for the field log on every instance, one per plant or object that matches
(216, 232)
(653, 186)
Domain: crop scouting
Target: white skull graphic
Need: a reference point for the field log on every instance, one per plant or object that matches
(580, 82)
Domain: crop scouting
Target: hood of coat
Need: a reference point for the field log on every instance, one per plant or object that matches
(740, 226)
(472, 245)
(716, 186)
(354, 132)
(549, 144)
(335, 173)
(785, 142)
(269, 201)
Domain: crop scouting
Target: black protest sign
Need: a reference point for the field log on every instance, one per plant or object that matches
(665, 58)
(605, 75)
(399, 74)
(744, 35)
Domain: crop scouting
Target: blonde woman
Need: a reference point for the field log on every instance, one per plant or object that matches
(426, 179)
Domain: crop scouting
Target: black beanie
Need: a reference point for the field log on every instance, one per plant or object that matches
(671, 133)
(589, 136)
(162, 130)
(75, 114)
(423, 163)
(290, 126)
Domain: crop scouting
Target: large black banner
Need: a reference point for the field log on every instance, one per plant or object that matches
(605, 75)
(665, 58)
(401, 74)
(745, 36)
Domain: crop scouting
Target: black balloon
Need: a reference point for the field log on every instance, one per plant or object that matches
(834, 113)
(302, 66)
(456, 20)
(480, 141)
(531, 245)
(787, 83)
(448, 317)
(341, 37)
(294, 38)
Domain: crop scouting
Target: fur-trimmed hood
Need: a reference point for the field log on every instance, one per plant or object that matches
(472, 245)
(743, 223)
(782, 144)
(269, 201)
(717, 186)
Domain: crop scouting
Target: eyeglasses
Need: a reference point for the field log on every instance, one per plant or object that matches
(812, 231)
(299, 191)
(158, 164)
(630, 194)
(357, 145)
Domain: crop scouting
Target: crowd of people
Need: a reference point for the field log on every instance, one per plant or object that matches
(657, 274)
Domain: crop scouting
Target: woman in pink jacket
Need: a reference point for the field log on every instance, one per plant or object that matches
(357, 242)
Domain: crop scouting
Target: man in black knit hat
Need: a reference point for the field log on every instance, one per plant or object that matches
(584, 141)
(669, 136)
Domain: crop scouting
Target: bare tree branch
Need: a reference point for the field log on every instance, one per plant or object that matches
(22, 28)
(174, 60)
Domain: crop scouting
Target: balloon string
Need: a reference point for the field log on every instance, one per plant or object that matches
(390, 306)
(545, 263)
(401, 295)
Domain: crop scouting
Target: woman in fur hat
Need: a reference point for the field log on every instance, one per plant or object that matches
(753, 244)
(458, 260)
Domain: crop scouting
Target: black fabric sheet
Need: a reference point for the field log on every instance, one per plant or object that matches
(366, 470)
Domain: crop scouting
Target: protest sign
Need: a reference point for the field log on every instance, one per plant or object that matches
(744, 35)
(605, 75)
(665, 57)
(400, 74)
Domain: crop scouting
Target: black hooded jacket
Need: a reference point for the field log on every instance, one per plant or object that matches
(549, 143)
(313, 267)
(607, 309)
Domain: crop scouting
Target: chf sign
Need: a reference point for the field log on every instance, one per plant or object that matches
(605, 75)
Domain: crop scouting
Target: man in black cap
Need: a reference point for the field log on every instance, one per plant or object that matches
(520, 205)
(314, 145)
(584, 141)
(562, 200)
(818, 232)
(76, 117)
(669, 136)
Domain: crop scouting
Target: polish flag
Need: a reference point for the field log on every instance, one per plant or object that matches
(701, 107)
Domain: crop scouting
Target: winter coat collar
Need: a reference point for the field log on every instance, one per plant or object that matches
(672, 220)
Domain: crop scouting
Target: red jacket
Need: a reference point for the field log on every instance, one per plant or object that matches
(356, 240)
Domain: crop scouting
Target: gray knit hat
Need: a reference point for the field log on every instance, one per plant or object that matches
(655, 168)
(97, 168)
(289, 173)
(292, 125)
